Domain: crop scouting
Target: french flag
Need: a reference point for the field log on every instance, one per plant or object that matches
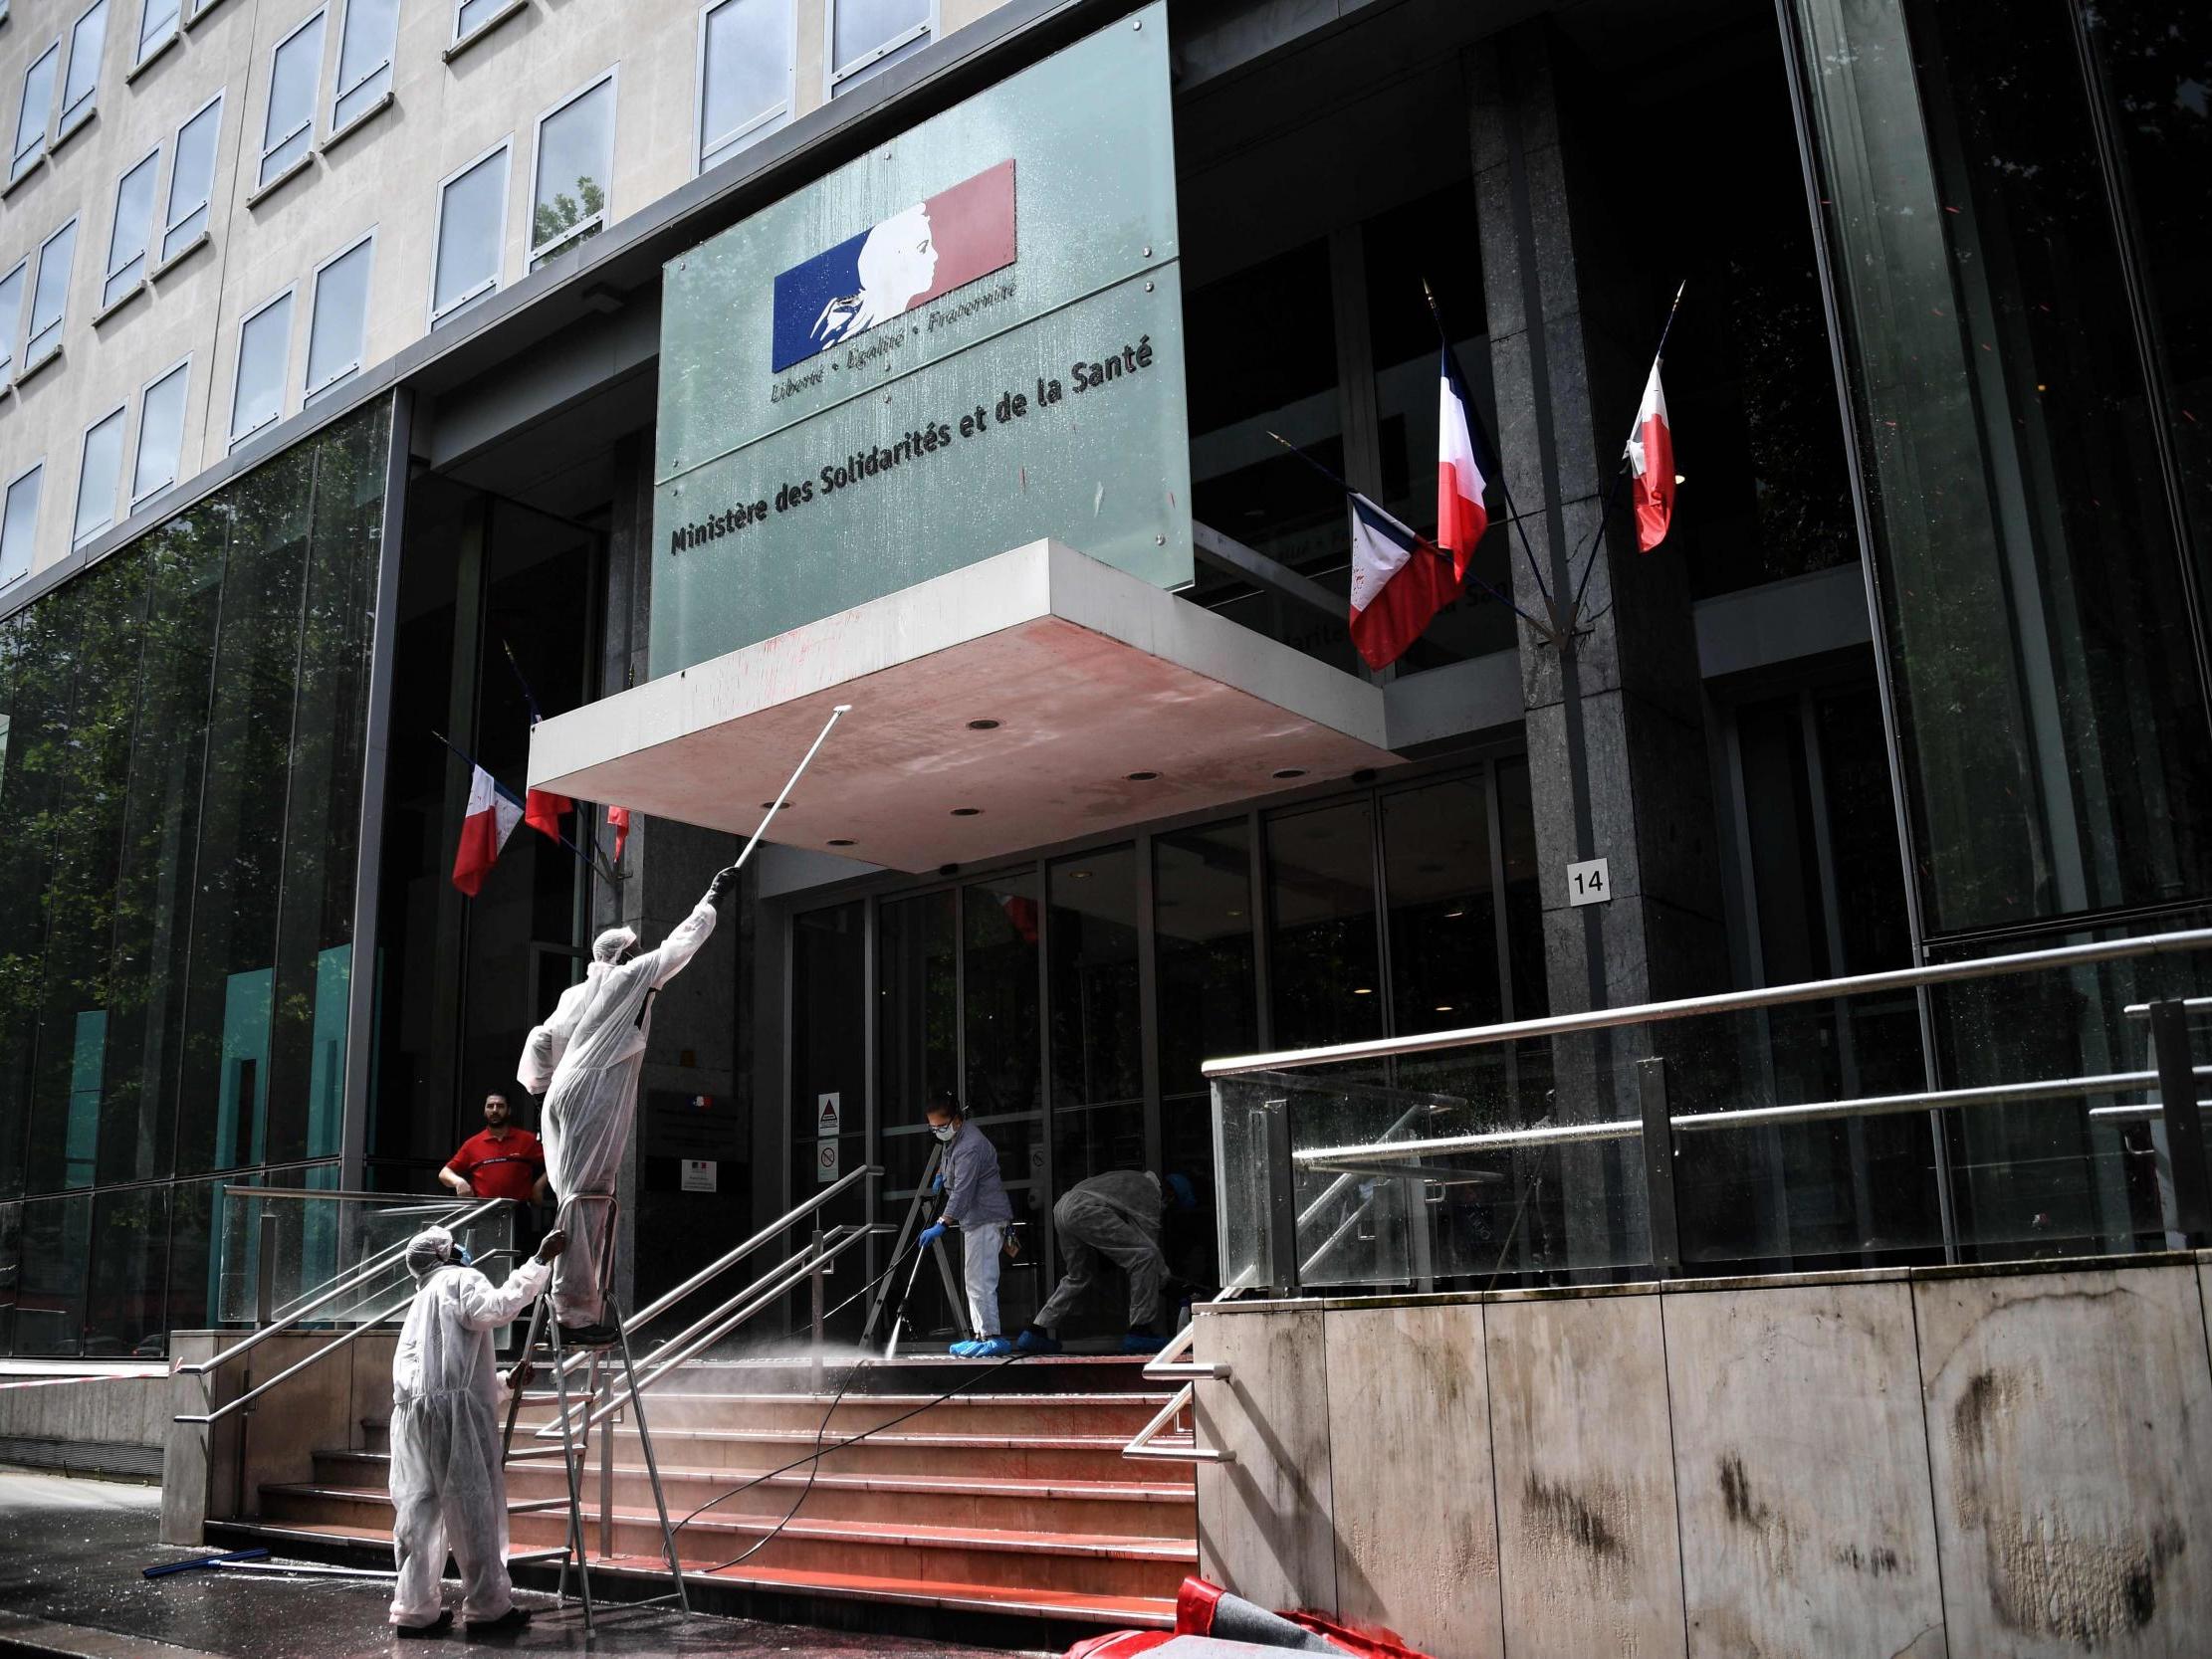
(493, 813)
(1400, 582)
(1650, 455)
(1460, 516)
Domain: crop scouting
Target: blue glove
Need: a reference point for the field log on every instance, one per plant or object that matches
(938, 1185)
(931, 1234)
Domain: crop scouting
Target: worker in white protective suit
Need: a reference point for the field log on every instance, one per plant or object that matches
(585, 1061)
(448, 1468)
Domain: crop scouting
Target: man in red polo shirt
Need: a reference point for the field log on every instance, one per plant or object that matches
(502, 1161)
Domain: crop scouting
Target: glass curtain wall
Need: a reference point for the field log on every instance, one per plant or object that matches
(180, 799)
(1148, 957)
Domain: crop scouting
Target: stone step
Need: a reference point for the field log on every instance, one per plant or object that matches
(945, 1552)
(779, 1592)
(1094, 1457)
(1153, 1508)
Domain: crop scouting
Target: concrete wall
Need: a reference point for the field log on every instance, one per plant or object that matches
(216, 1471)
(1967, 1461)
(94, 1425)
(384, 175)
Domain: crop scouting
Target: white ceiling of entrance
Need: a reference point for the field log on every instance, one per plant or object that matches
(1030, 698)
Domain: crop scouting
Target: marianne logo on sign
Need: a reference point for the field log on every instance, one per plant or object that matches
(907, 259)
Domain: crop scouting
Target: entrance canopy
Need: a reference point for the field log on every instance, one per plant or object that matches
(1032, 698)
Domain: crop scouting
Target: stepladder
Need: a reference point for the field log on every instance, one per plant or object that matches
(595, 1395)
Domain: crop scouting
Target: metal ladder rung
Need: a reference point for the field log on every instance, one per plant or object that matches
(537, 1451)
(530, 1505)
(523, 1557)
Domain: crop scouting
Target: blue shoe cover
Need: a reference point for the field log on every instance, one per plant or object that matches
(964, 1350)
(1035, 1341)
(1142, 1342)
(987, 1347)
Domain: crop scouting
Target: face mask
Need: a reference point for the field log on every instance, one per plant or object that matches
(946, 1131)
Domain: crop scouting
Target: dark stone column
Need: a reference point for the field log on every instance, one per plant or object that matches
(1614, 726)
(696, 1047)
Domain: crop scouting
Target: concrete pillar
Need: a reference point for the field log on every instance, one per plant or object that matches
(666, 866)
(1614, 726)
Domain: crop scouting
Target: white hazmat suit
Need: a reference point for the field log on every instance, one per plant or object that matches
(448, 1469)
(585, 1061)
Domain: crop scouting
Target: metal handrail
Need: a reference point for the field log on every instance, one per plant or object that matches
(1620, 1128)
(1723, 1002)
(1163, 1368)
(704, 1333)
(338, 1287)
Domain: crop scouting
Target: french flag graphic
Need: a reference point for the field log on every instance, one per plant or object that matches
(915, 256)
(1460, 516)
(1400, 582)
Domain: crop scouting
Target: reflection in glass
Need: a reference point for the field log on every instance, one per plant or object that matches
(365, 58)
(264, 343)
(288, 127)
(98, 476)
(472, 213)
(127, 236)
(161, 434)
(576, 159)
(860, 28)
(828, 964)
(341, 319)
(191, 179)
(35, 110)
(81, 85)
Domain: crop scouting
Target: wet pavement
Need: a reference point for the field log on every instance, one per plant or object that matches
(71, 1554)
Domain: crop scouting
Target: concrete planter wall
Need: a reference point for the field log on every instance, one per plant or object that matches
(2012, 1460)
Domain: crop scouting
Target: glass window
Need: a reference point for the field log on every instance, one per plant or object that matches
(917, 1010)
(159, 834)
(472, 228)
(126, 238)
(86, 780)
(191, 179)
(1098, 1093)
(19, 523)
(1321, 915)
(745, 75)
(36, 109)
(161, 434)
(11, 314)
(224, 1089)
(366, 43)
(81, 86)
(2036, 614)
(97, 478)
(576, 159)
(264, 343)
(50, 296)
(124, 1316)
(289, 127)
(1444, 921)
(999, 1010)
(312, 980)
(828, 976)
(157, 20)
(471, 15)
(1209, 997)
(50, 1286)
(341, 318)
(11, 1222)
(867, 35)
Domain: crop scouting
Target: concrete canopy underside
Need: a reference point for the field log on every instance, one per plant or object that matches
(1090, 673)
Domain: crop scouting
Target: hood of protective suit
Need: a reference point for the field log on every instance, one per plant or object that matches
(428, 1251)
(609, 945)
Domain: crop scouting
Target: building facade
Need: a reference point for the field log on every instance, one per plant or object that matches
(360, 357)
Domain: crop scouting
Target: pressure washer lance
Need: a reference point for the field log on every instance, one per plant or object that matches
(783, 796)
(898, 1320)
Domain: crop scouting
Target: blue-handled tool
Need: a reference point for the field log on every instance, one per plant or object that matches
(259, 1552)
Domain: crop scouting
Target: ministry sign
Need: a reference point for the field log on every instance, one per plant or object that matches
(966, 340)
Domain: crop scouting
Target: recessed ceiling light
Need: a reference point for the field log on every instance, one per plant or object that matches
(1236, 913)
(1291, 772)
(983, 725)
(1141, 777)
(772, 806)
(1362, 991)
(840, 841)
(1078, 875)
(1444, 1007)
(967, 811)
(1454, 915)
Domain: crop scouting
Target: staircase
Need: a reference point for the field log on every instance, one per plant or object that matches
(1003, 1515)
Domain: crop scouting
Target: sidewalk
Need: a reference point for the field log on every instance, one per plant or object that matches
(70, 1583)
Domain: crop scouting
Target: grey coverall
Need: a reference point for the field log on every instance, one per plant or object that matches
(1112, 1217)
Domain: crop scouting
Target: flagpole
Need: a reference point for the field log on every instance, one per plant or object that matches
(603, 872)
(1501, 598)
(1505, 493)
(1613, 493)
